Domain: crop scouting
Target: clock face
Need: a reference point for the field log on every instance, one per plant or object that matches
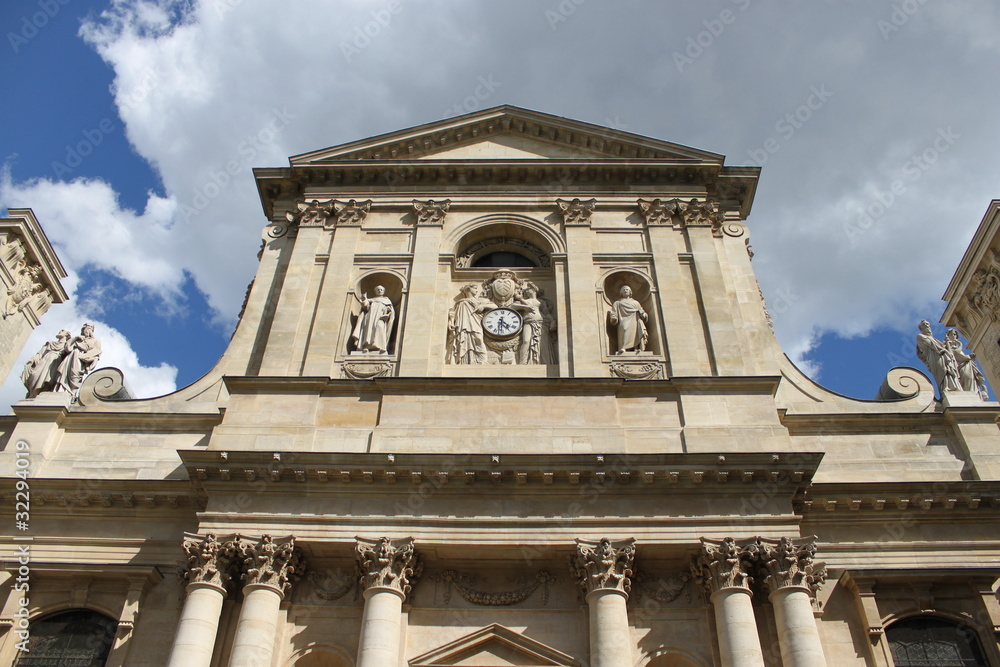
(502, 323)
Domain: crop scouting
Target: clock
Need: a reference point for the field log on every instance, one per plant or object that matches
(502, 323)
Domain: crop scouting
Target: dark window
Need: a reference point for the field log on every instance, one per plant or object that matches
(501, 259)
(78, 638)
(933, 642)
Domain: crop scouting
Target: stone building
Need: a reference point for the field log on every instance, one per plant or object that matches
(504, 391)
(974, 294)
(31, 275)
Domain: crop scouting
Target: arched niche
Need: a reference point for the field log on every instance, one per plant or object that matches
(610, 288)
(672, 656)
(73, 636)
(363, 329)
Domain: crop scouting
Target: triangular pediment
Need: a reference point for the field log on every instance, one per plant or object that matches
(507, 133)
(494, 646)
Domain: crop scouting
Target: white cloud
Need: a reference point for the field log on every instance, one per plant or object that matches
(244, 83)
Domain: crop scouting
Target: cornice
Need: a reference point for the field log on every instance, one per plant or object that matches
(101, 494)
(835, 499)
(733, 471)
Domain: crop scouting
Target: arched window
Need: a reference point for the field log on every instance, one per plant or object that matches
(77, 638)
(925, 641)
(502, 259)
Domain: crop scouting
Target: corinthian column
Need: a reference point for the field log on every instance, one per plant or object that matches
(389, 568)
(603, 569)
(786, 570)
(721, 568)
(210, 566)
(268, 572)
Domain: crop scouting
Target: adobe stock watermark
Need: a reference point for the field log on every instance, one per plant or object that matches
(901, 14)
(363, 35)
(697, 44)
(561, 12)
(474, 101)
(246, 151)
(91, 138)
(20, 627)
(32, 23)
(790, 123)
(913, 170)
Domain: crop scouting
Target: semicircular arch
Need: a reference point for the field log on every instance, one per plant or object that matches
(505, 224)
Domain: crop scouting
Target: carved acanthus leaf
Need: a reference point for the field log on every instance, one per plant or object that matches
(577, 212)
(431, 212)
(351, 212)
(603, 564)
(698, 212)
(659, 212)
(721, 565)
(271, 564)
(786, 562)
(210, 561)
(314, 213)
(388, 563)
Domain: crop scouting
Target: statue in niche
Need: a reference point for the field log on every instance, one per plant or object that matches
(82, 354)
(374, 327)
(938, 358)
(465, 327)
(630, 319)
(539, 321)
(39, 373)
(970, 378)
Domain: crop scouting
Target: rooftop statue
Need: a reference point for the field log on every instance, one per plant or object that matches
(39, 373)
(82, 354)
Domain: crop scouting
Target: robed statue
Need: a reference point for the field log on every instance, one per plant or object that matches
(628, 316)
(374, 326)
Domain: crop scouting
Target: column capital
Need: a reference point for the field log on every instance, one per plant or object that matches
(787, 563)
(209, 561)
(576, 211)
(276, 565)
(721, 564)
(603, 565)
(431, 212)
(387, 563)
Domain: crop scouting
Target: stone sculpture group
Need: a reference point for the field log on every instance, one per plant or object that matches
(62, 364)
(952, 368)
(468, 344)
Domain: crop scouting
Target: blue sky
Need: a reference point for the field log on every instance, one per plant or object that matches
(875, 125)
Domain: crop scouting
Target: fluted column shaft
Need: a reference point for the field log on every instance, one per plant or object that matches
(198, 626)
(603, 570)
(388, 570)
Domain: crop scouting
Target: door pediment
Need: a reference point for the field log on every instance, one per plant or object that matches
(494, 646)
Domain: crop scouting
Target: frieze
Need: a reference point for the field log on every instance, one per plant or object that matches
(463, 584)
(662, 589)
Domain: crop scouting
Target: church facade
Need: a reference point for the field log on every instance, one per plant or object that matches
(504, 391)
